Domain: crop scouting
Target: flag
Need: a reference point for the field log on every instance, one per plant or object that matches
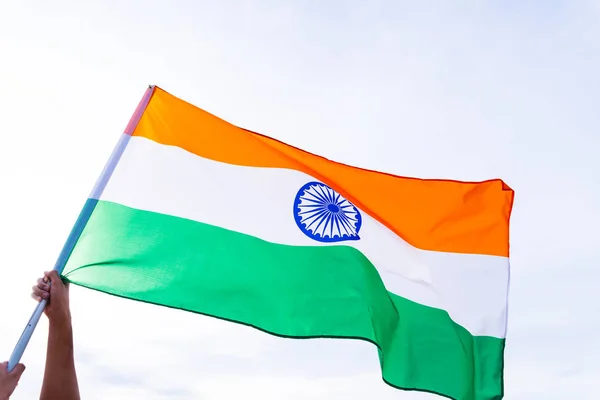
(197, 214)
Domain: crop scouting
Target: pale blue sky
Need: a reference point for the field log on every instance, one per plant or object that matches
(464, 90)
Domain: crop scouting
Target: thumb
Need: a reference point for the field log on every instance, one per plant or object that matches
(55, 280)
(53, 276)
(18, 371)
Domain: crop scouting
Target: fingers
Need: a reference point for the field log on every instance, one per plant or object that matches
(41, 283)
(18, 370)
(40, 292)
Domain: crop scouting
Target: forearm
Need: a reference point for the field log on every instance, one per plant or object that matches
(60, 378)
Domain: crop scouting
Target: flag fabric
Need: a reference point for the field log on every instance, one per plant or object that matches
(197, 214)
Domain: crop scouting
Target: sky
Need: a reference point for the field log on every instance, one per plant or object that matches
(467, 90)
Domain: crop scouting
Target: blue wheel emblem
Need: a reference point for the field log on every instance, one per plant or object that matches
(324, 215)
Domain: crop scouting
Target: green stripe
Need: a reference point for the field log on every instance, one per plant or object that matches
(291, 291)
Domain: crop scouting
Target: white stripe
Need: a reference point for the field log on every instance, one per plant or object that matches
(259, 202)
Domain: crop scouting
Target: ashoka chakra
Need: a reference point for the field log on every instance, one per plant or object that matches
(325, 215)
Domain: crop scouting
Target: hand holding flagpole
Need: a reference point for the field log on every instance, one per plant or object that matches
(82, 220)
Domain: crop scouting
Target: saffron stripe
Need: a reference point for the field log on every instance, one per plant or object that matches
(437, 215)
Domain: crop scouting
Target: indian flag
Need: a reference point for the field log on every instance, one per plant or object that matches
(194, 213)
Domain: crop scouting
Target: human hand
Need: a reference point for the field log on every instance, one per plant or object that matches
(9, 380)
(52, 289)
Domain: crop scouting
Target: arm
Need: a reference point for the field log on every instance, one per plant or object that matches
(9, 380)
(60, 378)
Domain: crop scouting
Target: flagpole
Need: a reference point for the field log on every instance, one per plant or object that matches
(82, 220)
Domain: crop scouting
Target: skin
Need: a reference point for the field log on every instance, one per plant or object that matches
(9, 380)
(60, 377)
